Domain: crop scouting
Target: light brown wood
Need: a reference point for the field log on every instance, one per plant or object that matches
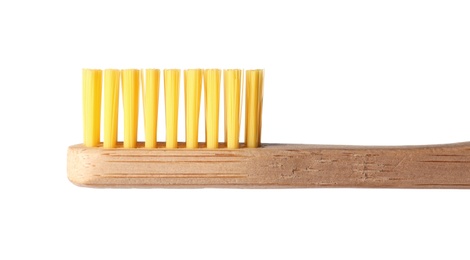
(273, 166)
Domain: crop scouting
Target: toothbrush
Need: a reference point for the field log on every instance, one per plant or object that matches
(231, 164)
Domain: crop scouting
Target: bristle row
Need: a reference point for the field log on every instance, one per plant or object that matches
(148, 81)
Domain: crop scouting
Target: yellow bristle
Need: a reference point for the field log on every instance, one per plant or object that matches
(232, 87)
(192, 98)
(212, 98)
(91, 106)
(111, 107)
(171, 85)
(150, 89)
(130, 97)
(254, 103)
(260, 104)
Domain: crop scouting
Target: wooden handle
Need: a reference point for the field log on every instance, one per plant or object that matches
(273, 166)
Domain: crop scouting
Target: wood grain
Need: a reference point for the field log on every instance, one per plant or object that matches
(273, 166)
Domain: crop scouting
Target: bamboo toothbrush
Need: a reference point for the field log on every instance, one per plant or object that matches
(231, 164)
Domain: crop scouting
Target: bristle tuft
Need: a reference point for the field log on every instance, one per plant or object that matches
(212, 99)
(232, 101)
(92, 87)
(171, 85)
(254, 103)
(130, 97)
(150, 91)
(192, 98)
(111, 107)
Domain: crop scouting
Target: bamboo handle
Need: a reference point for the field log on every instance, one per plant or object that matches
(273, 166)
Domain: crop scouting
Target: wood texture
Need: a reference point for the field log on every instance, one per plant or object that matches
(273, 166)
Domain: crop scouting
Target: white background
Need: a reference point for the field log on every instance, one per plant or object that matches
(337, 72)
